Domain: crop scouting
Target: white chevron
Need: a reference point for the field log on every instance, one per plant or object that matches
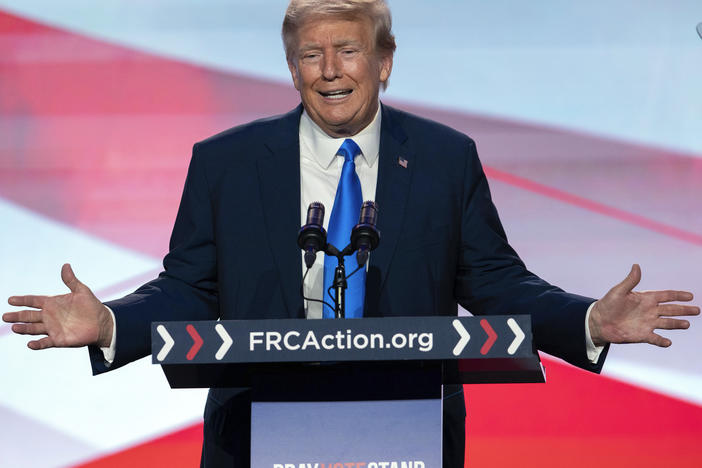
(518, 336)
(465, 337)
(167, 345)
(226, 341)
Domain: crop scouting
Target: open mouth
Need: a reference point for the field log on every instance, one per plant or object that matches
(338, 94)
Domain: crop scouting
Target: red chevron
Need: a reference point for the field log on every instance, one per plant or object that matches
(492, 337)
(197, 342)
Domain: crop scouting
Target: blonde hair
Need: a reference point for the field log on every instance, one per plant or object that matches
(377, 11)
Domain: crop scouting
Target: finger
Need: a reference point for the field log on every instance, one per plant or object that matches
(631, 280)
(671, 310)
(671, 295)
(29, 328)
(658, 340)
(27, 301)
(69, 278)
(29, 316)
(44, 343)
(672, 324)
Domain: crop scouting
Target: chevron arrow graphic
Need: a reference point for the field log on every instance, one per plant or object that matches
(167, 343)
(518, 336)
(463, 341)
(197, 342)
(226, 341)
(492, 337)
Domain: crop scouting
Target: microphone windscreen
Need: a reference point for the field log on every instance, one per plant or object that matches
(369, 213)
(315, 214)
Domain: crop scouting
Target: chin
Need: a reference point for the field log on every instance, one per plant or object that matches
(336, 121)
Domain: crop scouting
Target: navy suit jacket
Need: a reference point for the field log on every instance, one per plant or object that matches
(233, 251)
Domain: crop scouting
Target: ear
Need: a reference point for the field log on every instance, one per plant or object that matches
(385, 67)
(295, 74)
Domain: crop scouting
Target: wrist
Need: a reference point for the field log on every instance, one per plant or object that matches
(106, 327)
(594, 326)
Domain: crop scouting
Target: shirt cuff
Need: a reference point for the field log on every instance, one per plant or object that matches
(593, 352)
(109, 351)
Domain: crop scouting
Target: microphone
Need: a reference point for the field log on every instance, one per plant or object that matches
(364, 236)
(312, 237)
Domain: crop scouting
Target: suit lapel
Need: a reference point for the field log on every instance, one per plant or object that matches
(394, 177)
(279, 182)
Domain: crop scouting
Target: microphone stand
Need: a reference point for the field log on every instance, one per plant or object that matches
(339, 285)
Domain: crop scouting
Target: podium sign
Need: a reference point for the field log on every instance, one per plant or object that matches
(368, 339)
(368, 434)
(230, 353)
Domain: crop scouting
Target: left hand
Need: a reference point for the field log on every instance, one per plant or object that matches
(627, 316)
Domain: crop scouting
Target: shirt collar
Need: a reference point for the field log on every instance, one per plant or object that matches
(323, 148)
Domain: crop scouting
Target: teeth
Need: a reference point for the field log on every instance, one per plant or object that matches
(336, 94)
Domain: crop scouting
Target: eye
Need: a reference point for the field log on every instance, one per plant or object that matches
(310, 56)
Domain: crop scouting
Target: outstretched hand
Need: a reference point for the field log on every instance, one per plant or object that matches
(69, 320)
(627, 316)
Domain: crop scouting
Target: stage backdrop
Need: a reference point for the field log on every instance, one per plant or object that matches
(588, 119)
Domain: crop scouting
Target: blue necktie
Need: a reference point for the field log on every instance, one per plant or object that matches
(344, 216)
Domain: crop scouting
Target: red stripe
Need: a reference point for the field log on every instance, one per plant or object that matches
(590, 205)
(179, 449)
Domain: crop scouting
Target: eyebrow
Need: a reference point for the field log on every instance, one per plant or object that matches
(337, 45)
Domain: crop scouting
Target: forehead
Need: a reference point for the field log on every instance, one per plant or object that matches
(321, 30)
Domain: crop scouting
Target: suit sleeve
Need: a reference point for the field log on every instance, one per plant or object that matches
(492, 279)
(185, 290)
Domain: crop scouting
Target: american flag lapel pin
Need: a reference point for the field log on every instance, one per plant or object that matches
(402, 162)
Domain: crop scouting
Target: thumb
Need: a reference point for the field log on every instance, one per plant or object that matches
(631, 280)
(69, 278)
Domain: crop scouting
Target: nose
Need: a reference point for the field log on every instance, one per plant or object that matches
(331, 66)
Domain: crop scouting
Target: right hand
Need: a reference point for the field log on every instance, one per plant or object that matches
(69, 320)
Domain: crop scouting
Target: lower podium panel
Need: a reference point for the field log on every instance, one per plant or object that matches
(343, 416)
(346, 434)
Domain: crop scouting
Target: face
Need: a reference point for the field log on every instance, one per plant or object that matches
(338, 74)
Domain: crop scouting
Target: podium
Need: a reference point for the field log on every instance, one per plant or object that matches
(347, 393)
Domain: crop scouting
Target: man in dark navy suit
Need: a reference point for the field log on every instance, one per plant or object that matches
(442, 245)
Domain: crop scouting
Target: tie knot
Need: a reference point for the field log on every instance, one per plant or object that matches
(349, 150)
